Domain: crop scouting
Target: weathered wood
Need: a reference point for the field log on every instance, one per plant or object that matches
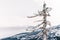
(44, 21)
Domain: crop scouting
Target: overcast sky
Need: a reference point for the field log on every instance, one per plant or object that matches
(14, 13)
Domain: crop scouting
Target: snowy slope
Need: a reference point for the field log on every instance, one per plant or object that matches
(53, 34)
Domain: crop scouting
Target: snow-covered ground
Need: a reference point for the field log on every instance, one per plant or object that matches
(9, 31)
(53, 34)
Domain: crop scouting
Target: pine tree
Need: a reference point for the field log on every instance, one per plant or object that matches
(44, 13)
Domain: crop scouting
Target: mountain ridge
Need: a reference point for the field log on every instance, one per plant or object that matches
(53, 35)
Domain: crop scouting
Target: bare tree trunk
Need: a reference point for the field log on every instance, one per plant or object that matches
(44, 37)
(44, 14)
(45, 24)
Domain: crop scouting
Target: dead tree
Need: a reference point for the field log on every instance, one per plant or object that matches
(44, 13)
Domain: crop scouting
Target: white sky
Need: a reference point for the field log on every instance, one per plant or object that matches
(14, 12)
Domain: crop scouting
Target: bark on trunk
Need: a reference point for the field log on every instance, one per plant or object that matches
(44, 37)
